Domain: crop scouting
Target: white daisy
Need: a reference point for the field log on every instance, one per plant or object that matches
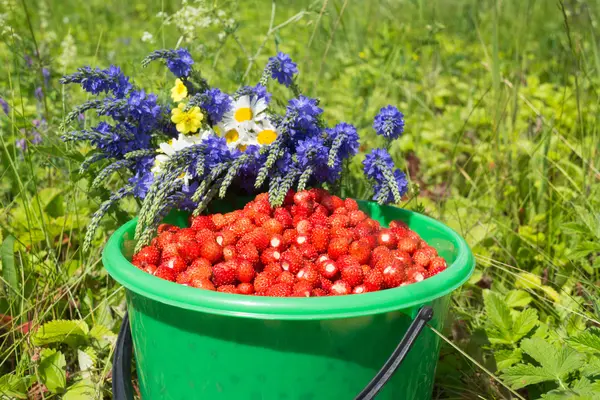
(244, 114)
(167, 149)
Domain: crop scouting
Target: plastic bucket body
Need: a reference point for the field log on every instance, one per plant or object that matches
(196, 344)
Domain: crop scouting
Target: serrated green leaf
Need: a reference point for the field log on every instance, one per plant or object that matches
(102, 335)
(523, 375)
(591, 368)
(52, 370)
(542, 352)
(87, 358)
(524, 323)
(82, 390)
(507, 358)
(587, 341)
(70, 332)
(498, 313)
(569, 360)
(14, 387)
(517, 298)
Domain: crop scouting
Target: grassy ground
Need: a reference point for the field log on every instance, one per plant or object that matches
(502, 107)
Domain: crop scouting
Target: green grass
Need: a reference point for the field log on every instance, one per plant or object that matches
(501, 143)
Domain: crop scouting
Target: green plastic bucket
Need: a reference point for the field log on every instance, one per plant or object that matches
(197, 344)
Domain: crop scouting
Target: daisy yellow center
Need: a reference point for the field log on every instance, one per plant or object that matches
(266, 137)
(242, 147)
(179, 91)
(232, 136)
(243, 114)
(187, 121)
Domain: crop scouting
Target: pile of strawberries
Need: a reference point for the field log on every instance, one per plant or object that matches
(316, 244)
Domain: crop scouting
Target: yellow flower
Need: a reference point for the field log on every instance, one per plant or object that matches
(187, 121)
(179, 91)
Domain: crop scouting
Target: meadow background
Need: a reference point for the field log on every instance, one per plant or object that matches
(501, 143)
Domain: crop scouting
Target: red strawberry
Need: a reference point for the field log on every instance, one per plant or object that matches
(229, 252)
(325, 284)
(200, 268)
(259, 237)
(274, 269)
(212, 251)
(301, 211)
(366, 226)
(259, 219)
(318, 292)
(375, 225)
(366, 269)
(291, 260)
(308, 251)
(147, 255)
(431, 251)
(164, 238)
(224, 274)
(202, 283)
(341, 210)
(219, 220)
(248, 252)
(340, 287)
(169, 250)
(370, 240)
(403, 257)
(351, 204)
(361, 231)
(393, 276)
(261, 206)
(422, 257)
(320, 211)
(301, 239)
(228, 289)
(360, 251)
(322, 258)
(302, 289)
(317, 194)
(318, 219)
(167, 228)
(337, 221)
(304, 227)
(289, 237)
(289, 198)
(245, 288)
(262, 197)
(284, 217)
(356, 216)
(263, 281)
(378, 254)
(302, 197)
(347, 261)
(270, 255)
(360, 289)
(422, 244)
(342, 233)
(177, 264)
(413, 235)
(203, 222)
(407, 244)
(337, 248)
(320, 238)
(186, 235)
(245, 271)
(279, 290)
(415, 274)
(308, 274)
(353, 275)
(373, 280)
(149, 268)
(189, 250)
(225, 238)
(328, 269)
(334, 202)
(203, 235)
(277, 242)
(273, 226)
(242, 226)
(386, 261)
(286, 277)
(398, 224)
(387, 238)
(437, 265)
(166, 273)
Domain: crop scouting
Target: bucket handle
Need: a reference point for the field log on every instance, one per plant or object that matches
(121, 370)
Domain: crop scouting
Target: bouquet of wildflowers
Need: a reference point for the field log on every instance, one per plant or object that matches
(207, 143)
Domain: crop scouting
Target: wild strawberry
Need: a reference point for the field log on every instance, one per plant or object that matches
(322, 258)
(320, 238)
(321, 212)
(370, 240)
(325, 284)
(308, 274)
(308, 251)
(273, 268)
(366, 269)
(393, 276)
(304, 227)
(291, 260)
(413, 235)
(277, 242)
(201, 283)
(259, 219)
(430, 250)
(263, 281)
(149, 268)
(328, 269)
(167, 228)
(212, 251)
(407, 244)
(183, 278)
(273, 226)
(403, 257)
(317, 194)
(422, 257)
(373, 280)
(228, 289)
(260, 238)
(438, 264)
(375, 225)
(318, 219)
(415, 274)
(332, 203)
(203, 235)
(399, 231)
(398, 224)
(270, 255)
(289, 198)
(360, 251)
(347, 261)
(225, 238)
(279, 290)
(341, 210)
(351, 204)
(248, 252)
(340, 288)
(286, 277)
(360, 289)
(353, 275)
(301, 289)
(385, 261)
(422, 244)
(366, 226)
(262, 197)
(337, 221)
(219, 220)
(200, 268)
(337, 248)
(177, 264)
(289, 237)
(284, 217)
(261, 206)
(318, 292)
(245, 271)
(302, 197)
(378, 254)
(224, 274)
(242, 226)
(361, 231)
(245, 288)
(186, 235)
(229, 252)
(165, 273)
(169, 250)
(301, 211)
(387, 238)
(203, 222)
(301, 239)
(147, 255)
(342, 233)
(356, 216)
(189, 250)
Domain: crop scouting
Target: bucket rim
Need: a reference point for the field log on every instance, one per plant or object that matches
(295, 308)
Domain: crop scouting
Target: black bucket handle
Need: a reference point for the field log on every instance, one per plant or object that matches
(121, 370)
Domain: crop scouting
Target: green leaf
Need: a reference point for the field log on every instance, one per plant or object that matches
(9, 270)
(527, 280)
(525, 322)
(555, 362)
(498, 313)
(523, 375)
(87, 358)
(587, 341)
(102, 335)
(14, 387)
(70, 332)
(507, 358)
(592, 367)
(82, 390)
(52, 370)
(517, 298)
(568, 361)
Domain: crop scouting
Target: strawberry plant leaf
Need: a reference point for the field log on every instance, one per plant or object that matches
(52, 370)
(70, 332)
(523, 375)
(542, 352)
(517, 298)
(14, 387)
(524, 323)
(569, 360)
(82, 390)
(498, 313)
(507, 358)
(587, 341)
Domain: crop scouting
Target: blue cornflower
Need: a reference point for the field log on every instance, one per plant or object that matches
(180, 62)
(282, 68)
(375, 162)
(389, 123)
(143, 108)
(259, 91)
(39, 93)
(216, 103)
(118, 82)
(379, 167)
(4, 106)
(96, 81)
(46, 74)
(305, 112)
(143, 177)
(313, 153)
(216, 151)
(387, 196)
(345, 138)
(21, 144)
